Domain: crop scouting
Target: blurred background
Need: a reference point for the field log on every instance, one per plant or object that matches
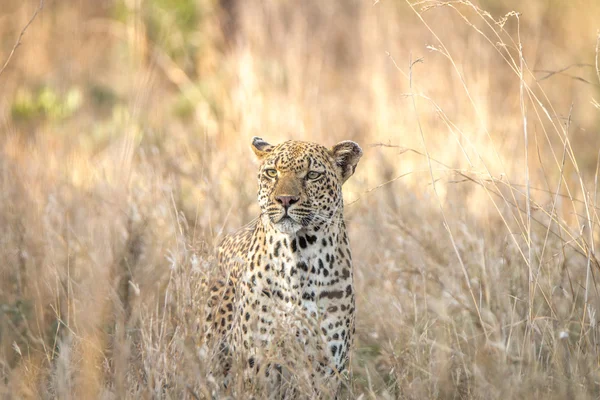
(124, 155)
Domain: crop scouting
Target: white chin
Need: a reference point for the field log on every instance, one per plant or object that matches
(288, 226)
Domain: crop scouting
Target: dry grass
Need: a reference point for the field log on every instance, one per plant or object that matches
(124, 154)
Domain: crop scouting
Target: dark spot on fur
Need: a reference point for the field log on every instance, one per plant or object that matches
(277, 248)
(338, 294)
(302, 266)
(302, 242)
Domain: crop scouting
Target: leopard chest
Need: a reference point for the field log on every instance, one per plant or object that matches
(302, 284)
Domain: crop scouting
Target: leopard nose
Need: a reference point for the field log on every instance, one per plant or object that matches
(287, 201)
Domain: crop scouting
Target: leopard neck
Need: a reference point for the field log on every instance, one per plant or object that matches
(307, 236)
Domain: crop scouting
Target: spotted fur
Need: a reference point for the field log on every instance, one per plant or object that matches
(291, 267)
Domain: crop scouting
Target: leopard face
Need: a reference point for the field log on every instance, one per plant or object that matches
(300, 183)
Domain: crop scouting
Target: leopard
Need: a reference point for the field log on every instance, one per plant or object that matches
(286, 278)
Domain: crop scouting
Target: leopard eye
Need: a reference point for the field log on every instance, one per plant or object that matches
(271, 173)
(312, 175)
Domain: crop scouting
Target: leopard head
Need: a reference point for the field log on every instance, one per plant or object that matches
(300, 183)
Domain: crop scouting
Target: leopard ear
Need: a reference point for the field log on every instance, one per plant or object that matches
(260, 147)
(346, 155)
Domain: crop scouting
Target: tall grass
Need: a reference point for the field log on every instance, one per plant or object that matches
(124, 155)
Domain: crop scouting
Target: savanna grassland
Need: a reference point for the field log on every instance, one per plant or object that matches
(124, 155)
